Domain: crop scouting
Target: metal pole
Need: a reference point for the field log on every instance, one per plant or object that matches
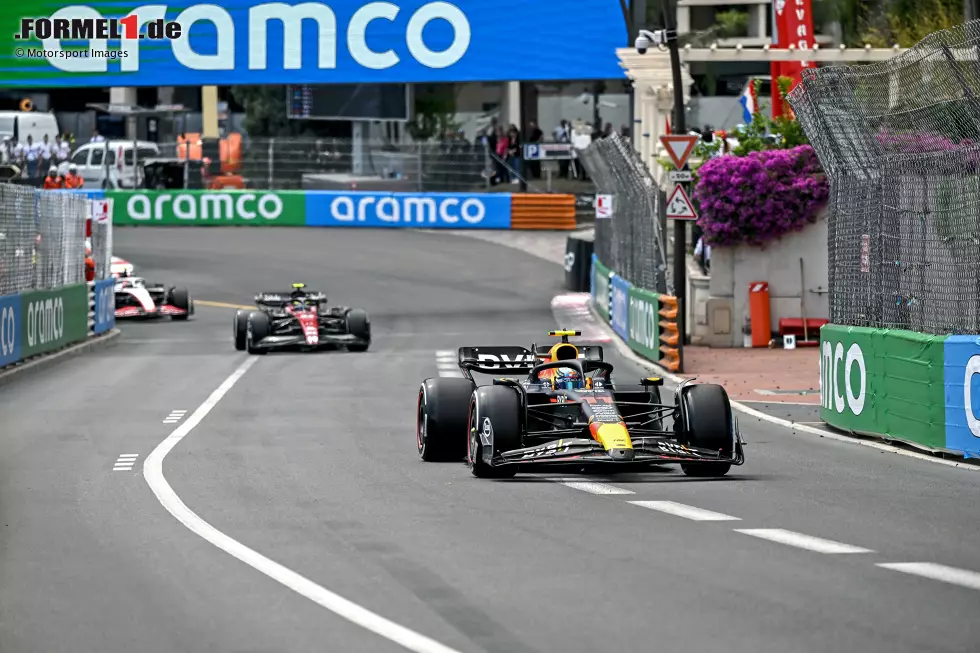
(679, 127)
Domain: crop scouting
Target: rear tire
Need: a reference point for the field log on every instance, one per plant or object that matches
(440, 428)
(180, 298)
(494, 427)
(359, 325)
(709, 426)
(240, 329)
(258, 326)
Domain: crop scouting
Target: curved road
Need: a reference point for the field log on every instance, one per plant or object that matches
(310, 461)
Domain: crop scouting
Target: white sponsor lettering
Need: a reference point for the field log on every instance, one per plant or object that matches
(205, 206)
(503, 361)
(619, 309)
(408, 210)
(832, 395)
(269, 16)
(45, 321)
(8, 331)
(972, 369)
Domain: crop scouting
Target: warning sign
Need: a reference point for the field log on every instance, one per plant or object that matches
(603, 206)
(679, 206)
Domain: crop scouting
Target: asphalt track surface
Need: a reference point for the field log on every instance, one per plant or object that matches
(310, 460)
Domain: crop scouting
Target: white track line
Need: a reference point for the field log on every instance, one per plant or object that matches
(153, 473)
(952, 575)
(687, 512)
(802, 541)
(594, 488)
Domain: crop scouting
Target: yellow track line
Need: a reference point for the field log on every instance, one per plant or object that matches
(201, 302)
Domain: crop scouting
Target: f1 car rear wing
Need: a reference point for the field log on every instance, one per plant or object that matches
(274, 298)
(497, 360)
(514, 360)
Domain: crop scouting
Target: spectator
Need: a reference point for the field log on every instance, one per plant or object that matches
(514, 153)
(53, 180)
(608, 131)
(31, 155)
(7, 153)
(72, 179)
(563, 134)
(702, 254)
(61, 150)
(535, 135)
(96, 137)
(501, 151)
(47, 153)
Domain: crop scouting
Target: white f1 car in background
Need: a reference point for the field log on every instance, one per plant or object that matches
(137, 298)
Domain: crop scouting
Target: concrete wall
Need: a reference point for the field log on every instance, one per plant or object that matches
(734, 269)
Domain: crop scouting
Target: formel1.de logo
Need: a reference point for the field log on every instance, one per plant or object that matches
(79, 29)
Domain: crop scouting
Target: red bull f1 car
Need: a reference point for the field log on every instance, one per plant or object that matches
(299, 319)
(567, 412)
(135, 298)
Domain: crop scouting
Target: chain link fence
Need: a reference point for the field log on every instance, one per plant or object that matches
(42, 239)
(631, 242)
(331, 164)
(900, 142)
(102, 249)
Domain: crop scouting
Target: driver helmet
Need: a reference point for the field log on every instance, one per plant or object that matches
(567, 378)
(299, 303)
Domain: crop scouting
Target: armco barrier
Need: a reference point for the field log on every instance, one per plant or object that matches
(341, 209)
(10, 330)
(961, 374)
(619, 306)
(102, 305)
(601, 288)
(644, 323)
(51, 319)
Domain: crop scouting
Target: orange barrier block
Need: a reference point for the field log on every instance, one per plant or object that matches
(759, 313)
(542, 211)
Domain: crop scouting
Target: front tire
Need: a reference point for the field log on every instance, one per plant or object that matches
(180, 298)
(440, 429)
(708, 413)
(240, 329)
(259, 326)
(359, 325)
(494, 427)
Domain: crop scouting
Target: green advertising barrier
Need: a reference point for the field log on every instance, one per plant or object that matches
(51, 319)
(884, 382)
(208, 207)
(600, 288)
(644, 323)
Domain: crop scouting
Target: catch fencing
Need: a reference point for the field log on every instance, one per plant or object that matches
(631, 242)
(337, 164)
(42, 239)
(900, 143)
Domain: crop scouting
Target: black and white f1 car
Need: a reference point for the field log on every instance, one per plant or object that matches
(137, 298)
(568, 412)
(299, 319)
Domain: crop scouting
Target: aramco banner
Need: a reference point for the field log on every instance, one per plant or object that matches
(107, 43)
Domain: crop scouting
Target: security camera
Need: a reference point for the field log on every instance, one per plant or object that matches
(647, 39)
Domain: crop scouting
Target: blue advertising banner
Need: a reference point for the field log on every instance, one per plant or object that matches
(619, 307)
(962, 381)
(105, 305)
(300, 42)
(423, 210)
(10, 329)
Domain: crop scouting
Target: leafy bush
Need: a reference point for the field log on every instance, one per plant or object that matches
(756, 198)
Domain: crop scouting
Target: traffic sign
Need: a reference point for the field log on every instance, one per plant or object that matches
(679, 147)
(679, 205)
(677, 176)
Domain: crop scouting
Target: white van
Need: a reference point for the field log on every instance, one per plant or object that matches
(94, 159)
(21, 124)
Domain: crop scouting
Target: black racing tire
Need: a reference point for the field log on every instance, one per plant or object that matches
(180, 298)
(440, 427)
(240, 329)
(258, 327)
(359, 325)
(708, 413)
(494, 426)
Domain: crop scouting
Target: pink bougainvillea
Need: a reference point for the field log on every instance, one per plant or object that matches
(755, 198)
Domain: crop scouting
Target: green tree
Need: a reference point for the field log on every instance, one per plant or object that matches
(435, 112)
(265, 111)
